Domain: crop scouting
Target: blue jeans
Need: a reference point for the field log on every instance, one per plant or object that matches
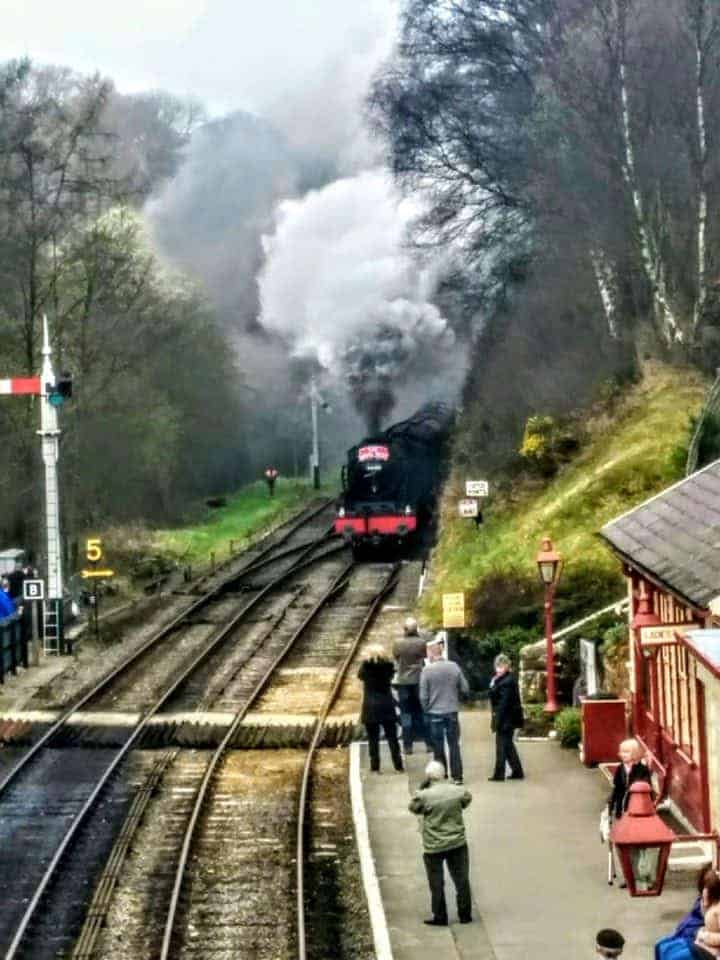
(446, 727)
(412, 719)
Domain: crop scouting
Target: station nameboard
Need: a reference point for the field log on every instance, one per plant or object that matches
(476, 488)
(661, 636)
(453, 610)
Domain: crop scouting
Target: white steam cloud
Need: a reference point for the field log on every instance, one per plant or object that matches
(340, 284)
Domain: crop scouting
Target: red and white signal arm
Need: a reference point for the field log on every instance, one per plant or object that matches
(374, 451)
(33, 589)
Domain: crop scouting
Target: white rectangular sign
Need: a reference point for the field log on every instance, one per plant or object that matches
(661, 636)
(468, 508)
(476, 488)
(33, 589)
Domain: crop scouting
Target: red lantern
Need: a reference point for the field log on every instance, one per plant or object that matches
(643, 842)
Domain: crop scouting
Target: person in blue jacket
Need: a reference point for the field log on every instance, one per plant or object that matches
(678, 945)
(7, 604)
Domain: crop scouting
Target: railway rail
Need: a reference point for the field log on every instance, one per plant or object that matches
(101, 770)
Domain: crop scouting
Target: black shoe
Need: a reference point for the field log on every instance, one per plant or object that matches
(432, 922)
(497, 779)
(465, 919)
(400, 769)
(408, 751)
(458, 781)
(516, 776)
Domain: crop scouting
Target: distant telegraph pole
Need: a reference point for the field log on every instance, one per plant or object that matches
(315, 444)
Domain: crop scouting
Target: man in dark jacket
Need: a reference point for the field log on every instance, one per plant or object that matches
(16, 578)
(409, 653)
(507, 716)
(443, 831)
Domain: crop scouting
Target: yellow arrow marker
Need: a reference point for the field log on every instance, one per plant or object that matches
(96, 573)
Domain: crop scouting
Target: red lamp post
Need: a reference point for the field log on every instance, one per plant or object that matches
(550, 565)
(643, 842)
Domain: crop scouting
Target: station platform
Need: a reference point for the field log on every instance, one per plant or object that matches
(538, 868)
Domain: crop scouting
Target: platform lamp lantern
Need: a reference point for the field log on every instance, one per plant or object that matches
(550, 564)
(643, 842)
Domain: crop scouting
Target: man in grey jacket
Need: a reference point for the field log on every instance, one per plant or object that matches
(442, 682)
(443, 831)
(409, 653)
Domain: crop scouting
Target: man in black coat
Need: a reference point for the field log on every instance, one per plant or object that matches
(16, 579)
(507, 716)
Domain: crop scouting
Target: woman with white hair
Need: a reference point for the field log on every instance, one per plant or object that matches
(378, 706)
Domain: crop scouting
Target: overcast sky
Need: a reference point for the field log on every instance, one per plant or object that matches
(268, 56)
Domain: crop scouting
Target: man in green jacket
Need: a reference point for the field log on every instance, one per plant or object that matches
(443, 830)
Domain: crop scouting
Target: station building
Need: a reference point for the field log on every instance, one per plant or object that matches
(670, 550)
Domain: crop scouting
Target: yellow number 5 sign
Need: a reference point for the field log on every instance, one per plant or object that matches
(93, 549)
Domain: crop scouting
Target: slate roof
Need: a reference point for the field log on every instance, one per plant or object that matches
(675, 536)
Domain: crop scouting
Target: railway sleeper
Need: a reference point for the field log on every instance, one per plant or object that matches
(198, 730)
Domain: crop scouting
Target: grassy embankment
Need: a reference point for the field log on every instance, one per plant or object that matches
(633, 449)
(246, 515)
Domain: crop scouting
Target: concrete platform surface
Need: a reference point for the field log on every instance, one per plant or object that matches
(538, 868)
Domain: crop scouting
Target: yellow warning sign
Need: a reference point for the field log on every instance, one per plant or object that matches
(453, 609)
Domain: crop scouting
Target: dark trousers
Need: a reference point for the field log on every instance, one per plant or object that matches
(373, 733)
(458, 864)
(446, 727)
(412, 719)
(506, 753)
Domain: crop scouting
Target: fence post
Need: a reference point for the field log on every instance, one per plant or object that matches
(24, 640)
(13, 644)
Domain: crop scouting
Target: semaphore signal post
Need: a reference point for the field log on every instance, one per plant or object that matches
(52, 393)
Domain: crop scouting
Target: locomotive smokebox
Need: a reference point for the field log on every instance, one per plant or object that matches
(391, 478)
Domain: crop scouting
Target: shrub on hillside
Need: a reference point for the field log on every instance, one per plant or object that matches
(709, 449)
(476, 654)
(568, 726)
(547, 443)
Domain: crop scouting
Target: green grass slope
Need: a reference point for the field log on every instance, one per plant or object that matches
(248, 513)
(627, 458)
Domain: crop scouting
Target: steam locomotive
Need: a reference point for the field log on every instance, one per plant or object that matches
(390, 480)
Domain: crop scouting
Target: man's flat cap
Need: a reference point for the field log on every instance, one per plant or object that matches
(610, 940)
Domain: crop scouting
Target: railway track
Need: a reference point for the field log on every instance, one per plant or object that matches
(233, 893)
(50, 793)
